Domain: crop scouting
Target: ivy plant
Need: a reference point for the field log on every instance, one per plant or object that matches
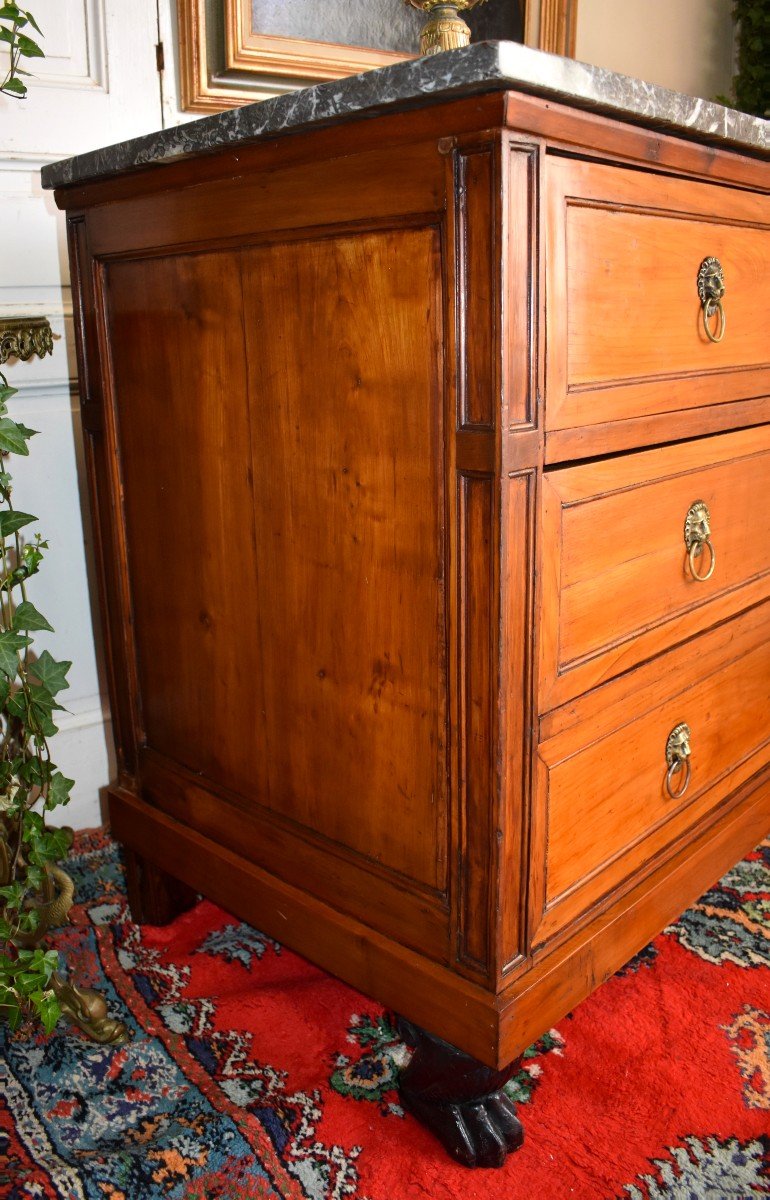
(752, 83)
(30, 784)
(13, 22)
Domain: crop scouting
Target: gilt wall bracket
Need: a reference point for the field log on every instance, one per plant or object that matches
(23, 337)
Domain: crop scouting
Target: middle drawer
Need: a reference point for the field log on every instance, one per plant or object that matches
(644, 550)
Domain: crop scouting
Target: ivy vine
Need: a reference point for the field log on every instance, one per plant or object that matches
(752, 83)
(13, 20)
(30, 784)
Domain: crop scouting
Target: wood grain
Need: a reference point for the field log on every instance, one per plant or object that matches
(618, 586)
(624, 311)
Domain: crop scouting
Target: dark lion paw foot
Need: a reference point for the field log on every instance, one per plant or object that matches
(478, 1133)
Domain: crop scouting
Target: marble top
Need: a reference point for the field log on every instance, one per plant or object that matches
(485, 67)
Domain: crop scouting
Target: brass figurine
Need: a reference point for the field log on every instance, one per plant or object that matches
(445, 29)
(82, 1006)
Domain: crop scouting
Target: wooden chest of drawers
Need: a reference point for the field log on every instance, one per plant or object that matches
(393, 431)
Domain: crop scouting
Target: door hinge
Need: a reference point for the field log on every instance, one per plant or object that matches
(160, 61)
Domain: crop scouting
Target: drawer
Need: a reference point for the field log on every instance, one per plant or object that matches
(602, 778)
(618, 584)
(625, 331)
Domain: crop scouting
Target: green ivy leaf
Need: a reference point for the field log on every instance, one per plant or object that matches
(15, 87)
(56, 844)
(52, 845)
(14, 436)
(35, 771)
(9, 1004)
(33, 826)
(33, 22)
(51, 674)
(49, 1011)
(12, 894)
(34, 876)
(13, 520)
(58, 790)
(27, 617)
(10, 645)
(10, 12)
(29, 48)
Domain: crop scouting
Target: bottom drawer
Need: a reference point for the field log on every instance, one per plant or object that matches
(611, 794)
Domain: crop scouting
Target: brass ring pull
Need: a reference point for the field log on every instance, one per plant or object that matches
(678, 756)
(697, 534)
(695, 552)
(711, 289)
(709, 308)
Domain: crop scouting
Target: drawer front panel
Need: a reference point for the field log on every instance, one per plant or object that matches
(619, 584)
(605, 792)
(626, 336)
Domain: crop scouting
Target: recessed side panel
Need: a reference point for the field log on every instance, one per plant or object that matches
(345, 366)
(179, 390)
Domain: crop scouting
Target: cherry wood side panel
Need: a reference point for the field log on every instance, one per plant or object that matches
(607, 804)
(177, 353)
(625, 332)
(113, 622)
(617, 586)
(344, 347)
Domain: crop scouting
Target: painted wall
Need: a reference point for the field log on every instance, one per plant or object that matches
(98, 84)
(687, 45)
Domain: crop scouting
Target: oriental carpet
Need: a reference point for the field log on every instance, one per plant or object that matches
(253, 1074)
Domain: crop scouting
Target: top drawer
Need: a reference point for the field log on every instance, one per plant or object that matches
(625, 329)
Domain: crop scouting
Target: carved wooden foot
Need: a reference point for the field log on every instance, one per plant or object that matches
(154, 897)
(459, 1099)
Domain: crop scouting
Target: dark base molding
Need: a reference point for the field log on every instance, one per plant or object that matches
(459, 1099)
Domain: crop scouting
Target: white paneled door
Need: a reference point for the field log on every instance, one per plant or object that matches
(98, 84)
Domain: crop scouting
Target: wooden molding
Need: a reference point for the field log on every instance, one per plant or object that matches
(248, 50)
(280, 64)
(551, 25)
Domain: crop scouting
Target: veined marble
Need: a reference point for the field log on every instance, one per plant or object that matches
(485, 67)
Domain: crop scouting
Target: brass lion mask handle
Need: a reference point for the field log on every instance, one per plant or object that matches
(711, 289)
(697, 539)
(678, 758)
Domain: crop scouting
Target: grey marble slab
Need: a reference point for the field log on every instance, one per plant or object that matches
(486, 67)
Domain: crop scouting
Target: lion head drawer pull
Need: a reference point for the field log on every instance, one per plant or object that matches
(678, 759)
(697, 535)
(711, 289)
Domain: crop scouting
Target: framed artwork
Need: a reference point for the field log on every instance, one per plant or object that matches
(235, 51)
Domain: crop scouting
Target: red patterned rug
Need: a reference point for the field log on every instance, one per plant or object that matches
(254, 1074)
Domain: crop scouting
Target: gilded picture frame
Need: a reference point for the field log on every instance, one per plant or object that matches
(224, 62)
